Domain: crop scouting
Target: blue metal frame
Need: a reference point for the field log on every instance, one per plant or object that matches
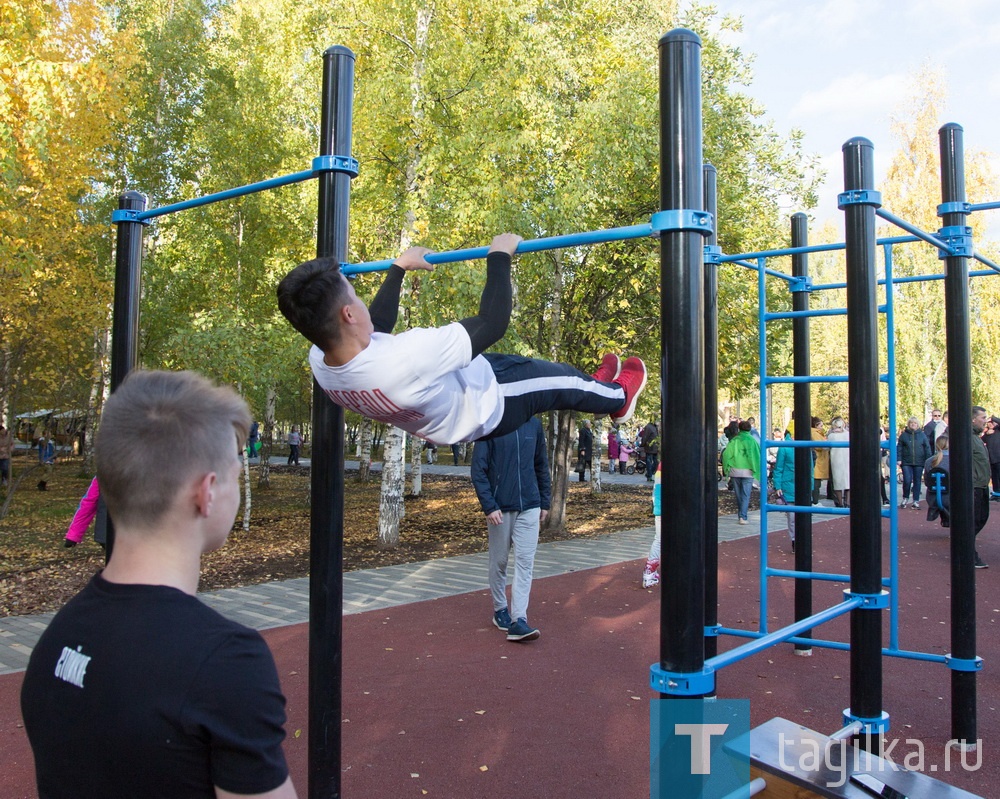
(950, 241)
(321, 164)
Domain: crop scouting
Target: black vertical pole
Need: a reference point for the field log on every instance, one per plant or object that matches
(326, 561)
(803, 429)
(866, 500)
(959, 348)
(125, 314)
(711, 497)
(682, 354)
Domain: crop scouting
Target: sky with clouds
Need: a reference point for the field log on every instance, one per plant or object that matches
(841, 68)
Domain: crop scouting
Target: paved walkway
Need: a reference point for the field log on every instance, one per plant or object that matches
(287, 601)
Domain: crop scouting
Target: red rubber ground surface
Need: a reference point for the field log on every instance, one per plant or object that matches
(438, 704)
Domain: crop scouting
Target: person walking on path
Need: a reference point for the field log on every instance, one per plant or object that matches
(935, 427)
(137, 688)
(586, 448)
(439, 383)
(294, 442)
(821, 461)
(510, 475)
(840, 464)
(980, 477)
(912, 452)
(649, 440)
(991, 438)
(613, 448)
(741, 462)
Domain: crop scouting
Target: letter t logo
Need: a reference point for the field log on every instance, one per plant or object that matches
(701, 747)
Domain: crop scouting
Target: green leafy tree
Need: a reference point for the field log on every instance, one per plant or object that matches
(56, 112)
(912, 190)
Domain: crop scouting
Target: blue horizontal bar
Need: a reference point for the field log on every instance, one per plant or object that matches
(746, 256)
(793, 443)
(806, 379)
(984, 260)
(819, 510)
(902, 223)
(842, 645)
(805, 314)
(769, 640)
(832, 286)
(228, 194)
(831, 578)
(822, 576)
(984, 206)
(533, 245)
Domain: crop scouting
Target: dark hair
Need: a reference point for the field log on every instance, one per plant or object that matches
(745, 426)
(816, 421)
(311, 296)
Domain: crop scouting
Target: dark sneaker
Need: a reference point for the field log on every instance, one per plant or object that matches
(520, 631)
(793, 546)
(978, 562)
(632, 378)
(501, 618)
(610, 368)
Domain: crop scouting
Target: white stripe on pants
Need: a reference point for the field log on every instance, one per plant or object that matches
(520, 530)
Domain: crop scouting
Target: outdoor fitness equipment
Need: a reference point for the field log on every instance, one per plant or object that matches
(689, 260)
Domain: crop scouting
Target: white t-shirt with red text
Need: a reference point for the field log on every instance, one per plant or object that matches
(423, 380)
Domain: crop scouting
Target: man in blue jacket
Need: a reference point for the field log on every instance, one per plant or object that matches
(510, 474)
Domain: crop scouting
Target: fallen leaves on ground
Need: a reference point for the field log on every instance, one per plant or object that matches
(37, 574)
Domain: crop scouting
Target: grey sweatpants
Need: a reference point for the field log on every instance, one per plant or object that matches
(520, 530)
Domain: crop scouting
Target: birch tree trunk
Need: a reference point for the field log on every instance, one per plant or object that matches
(391, 503)
(561, 422)
(595, 470)
(98, 393)
(391, 498)
(247, 497)
(267, 440)
(416, 465)
(365, 462)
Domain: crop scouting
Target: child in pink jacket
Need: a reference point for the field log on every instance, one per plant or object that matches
(84, 515)
(624, 451)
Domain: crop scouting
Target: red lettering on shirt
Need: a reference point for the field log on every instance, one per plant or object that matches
(375, 405)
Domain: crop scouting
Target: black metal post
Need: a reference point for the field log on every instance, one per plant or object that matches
(326, 560)
(125, 314)
(711, 497)
(803, 430)
(866, 500)
(963, 541)
(682, 354)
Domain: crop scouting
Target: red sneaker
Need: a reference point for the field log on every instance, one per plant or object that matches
(632, 378)
(610, 368)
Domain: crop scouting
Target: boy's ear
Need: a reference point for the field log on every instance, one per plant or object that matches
(204, 493)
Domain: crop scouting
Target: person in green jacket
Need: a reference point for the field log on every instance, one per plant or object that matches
(741, 462)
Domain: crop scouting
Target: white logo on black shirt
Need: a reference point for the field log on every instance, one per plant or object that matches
(72, 666)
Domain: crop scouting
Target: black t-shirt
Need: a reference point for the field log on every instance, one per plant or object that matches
(144, 691)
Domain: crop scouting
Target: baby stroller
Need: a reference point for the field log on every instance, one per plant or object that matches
(640, 462)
